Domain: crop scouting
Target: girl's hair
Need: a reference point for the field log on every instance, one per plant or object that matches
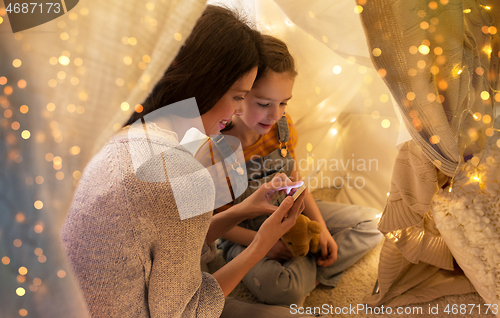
(220, 49)
(276, 58)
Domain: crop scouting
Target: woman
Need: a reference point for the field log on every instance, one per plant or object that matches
(133, 251)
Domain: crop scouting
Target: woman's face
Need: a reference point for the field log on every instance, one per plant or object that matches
(216, 118)
(266, 102)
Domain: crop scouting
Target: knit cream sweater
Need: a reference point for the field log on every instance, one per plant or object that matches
(132, 254)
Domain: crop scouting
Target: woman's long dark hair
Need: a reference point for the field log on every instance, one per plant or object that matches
(220, 49)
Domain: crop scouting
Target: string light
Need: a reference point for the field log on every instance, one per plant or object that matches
(64, 60)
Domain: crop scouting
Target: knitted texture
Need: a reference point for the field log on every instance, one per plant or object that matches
(132, 254)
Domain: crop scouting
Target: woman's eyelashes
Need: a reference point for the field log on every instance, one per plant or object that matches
(239, 98)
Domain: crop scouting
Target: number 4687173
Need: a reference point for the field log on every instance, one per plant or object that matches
(33, 7)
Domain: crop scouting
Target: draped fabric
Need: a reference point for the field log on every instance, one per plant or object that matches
(84, 74)
(87, 70)
(340, 106)
(441, 66)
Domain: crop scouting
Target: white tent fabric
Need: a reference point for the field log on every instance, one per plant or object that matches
(341, 107)
(86, 72)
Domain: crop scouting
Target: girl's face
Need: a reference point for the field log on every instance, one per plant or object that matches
(266, 102)
(216, 118)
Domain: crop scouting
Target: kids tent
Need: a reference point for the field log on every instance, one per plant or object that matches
(376, 86)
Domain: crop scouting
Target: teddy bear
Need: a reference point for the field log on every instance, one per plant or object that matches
(303, 236)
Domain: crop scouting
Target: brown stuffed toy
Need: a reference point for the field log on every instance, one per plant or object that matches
(303, 236)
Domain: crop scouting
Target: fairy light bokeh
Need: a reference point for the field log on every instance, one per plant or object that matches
(51, 120)
(46, 137)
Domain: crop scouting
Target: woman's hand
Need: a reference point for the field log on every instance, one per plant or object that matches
(279, 252)
(328, 249)
(258, 203)
(278, 223)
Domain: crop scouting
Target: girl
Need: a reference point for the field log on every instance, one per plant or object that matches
(133, 251)
(268, 138)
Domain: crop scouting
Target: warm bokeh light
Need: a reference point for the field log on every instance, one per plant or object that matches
(51, 107)
(77, 174)
(20, 217)
(38, 228)
(485, 95)
(25, 134)
(57, 160)
(127, 60)
(132, 41)
(64, 60)
(39, 180)
(38, 204)
(20, 291)
(424, 49)
(125, 106)
(434, 139)
(23, 270)
(80, 110)
(8, 90)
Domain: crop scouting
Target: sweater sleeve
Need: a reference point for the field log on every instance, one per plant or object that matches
(177, 287)
(132, 254)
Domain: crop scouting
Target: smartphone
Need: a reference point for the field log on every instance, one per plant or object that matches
(307, 180)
